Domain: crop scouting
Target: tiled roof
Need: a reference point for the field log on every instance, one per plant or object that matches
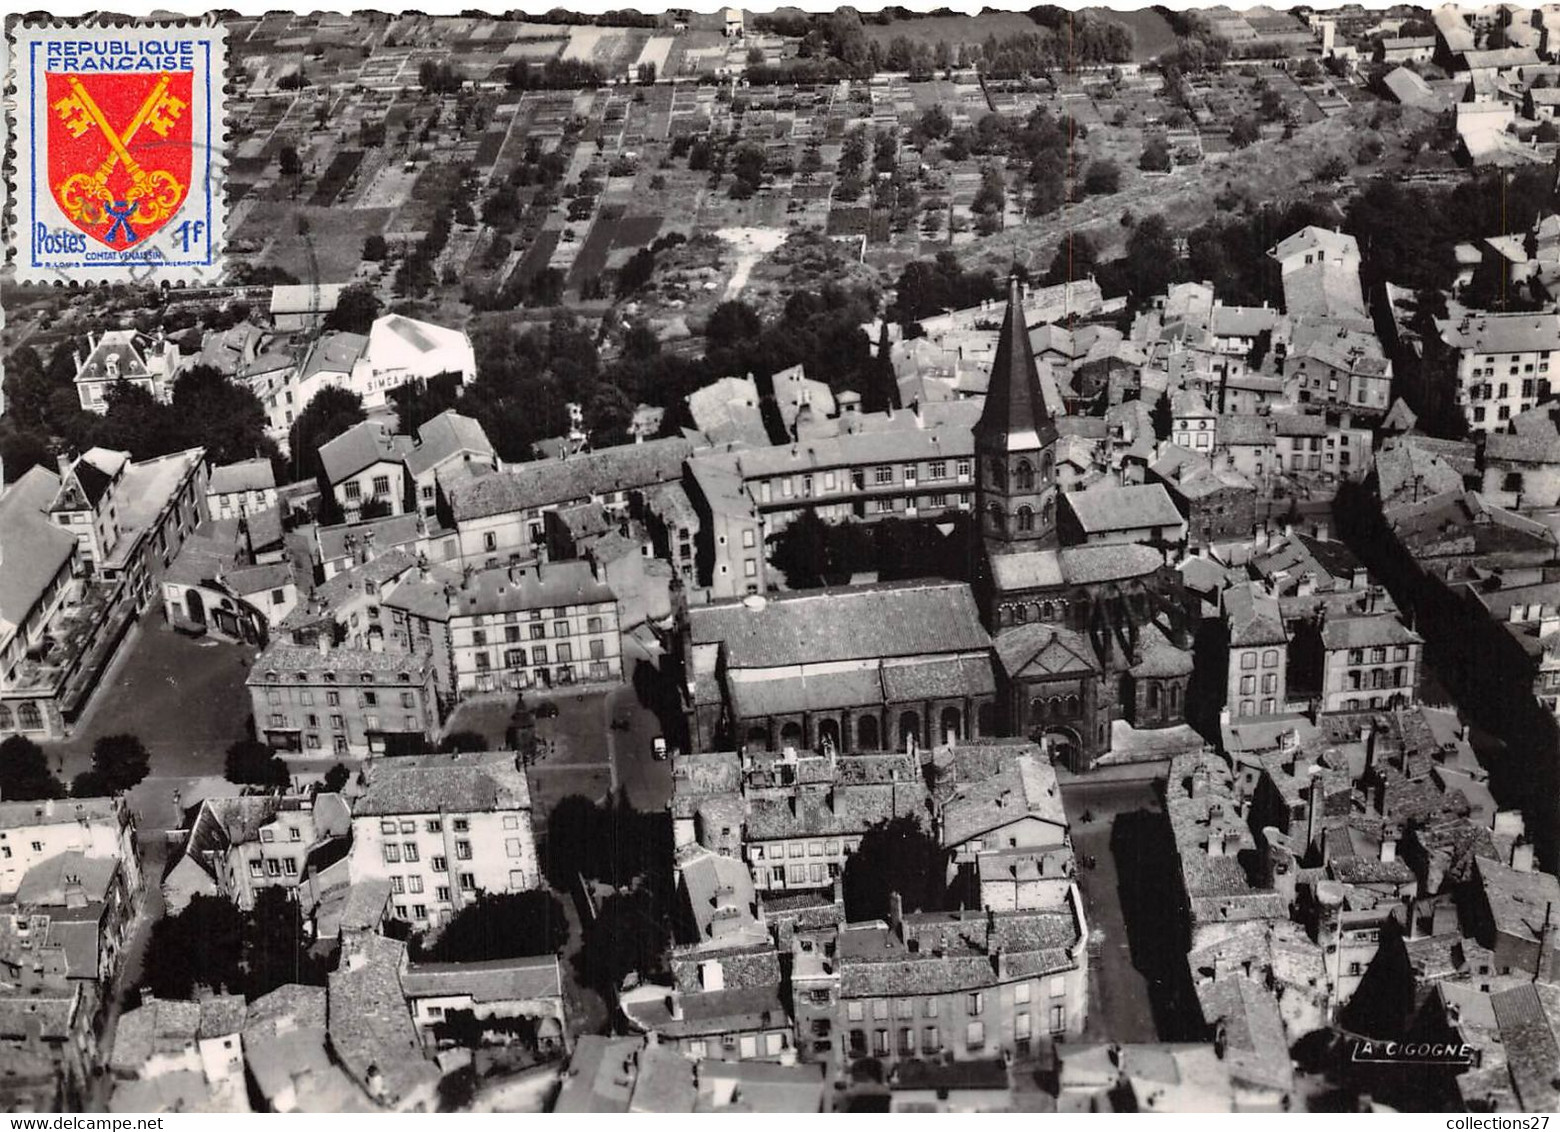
(1038, 649)
(547, 483)
(1015, 414)
(370, 1026)
(1024, 788)
(1110, 509)
(446, 435)
(1502, 333)
(246, 475)
(379, 535)
(1253, 616)
(952, 953)
(491, 980)
(911, 619)
(482, 782)
(1529, 1019)
(552, 585)
(845, 810)
(1361, 632)
(361, 446)
(32, 549)
(349, 665)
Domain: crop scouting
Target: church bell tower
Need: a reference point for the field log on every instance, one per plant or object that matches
(1015, 445)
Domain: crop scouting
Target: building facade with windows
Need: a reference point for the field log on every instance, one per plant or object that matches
(1505, 364)
(1258, 652)
(960, 985)
(541, 626)
(442, 829)
(1369, 662)
(344, 702)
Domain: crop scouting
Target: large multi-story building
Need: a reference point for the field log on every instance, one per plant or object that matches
(963, 985)
(1257, 680)
(344, 702)
(498, 518)
(442, 829)
(1369, 662)
(533, 627)
(93, 828)
(1504, 363)
(861, 669)
(147, 363)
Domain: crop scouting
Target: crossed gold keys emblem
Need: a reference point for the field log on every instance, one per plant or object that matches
(152, 196)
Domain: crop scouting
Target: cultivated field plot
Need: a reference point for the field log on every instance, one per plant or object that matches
(435, 187)
(336, 175)
(328, 252)
(1151, 35)
(954, 30)
(592, 257)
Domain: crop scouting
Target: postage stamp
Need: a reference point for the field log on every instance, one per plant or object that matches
(116, 162)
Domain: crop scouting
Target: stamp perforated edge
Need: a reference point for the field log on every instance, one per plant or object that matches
(28, 28)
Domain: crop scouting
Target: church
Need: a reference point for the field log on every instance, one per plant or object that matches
(1084, 635)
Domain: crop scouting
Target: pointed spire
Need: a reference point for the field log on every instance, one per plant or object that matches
(1015, 415)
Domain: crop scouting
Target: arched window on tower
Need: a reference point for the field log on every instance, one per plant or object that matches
(1047, 513)
(1026, 518)
(1024, 476)
(998, 474)
(1046, 468)
(995, 519)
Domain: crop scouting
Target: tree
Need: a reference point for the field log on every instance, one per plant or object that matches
(122, 760)
(253, 763)
(137, 423)
(504, 925)
(288, 161)
(457, 741)
(731, 322)
(1101, 178)
(24, 772)
(934, 123)
(896, 855)
(356, 310)
(646, 74)
(747, 166)
(1162, 417)
(1156, 156)
(375, 248)
(200, 947)
(1334, 168)
(1245, 131)
(329, 413)
(223, 416)
(336, 779)
(276, 947)
(630, 934)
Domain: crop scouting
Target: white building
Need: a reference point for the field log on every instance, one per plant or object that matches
(245, 488)
(31, 832)
(401, 349)
(125, 355)
(442, 829)
(1504, 363)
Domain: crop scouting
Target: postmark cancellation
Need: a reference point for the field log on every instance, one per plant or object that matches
(115, 164)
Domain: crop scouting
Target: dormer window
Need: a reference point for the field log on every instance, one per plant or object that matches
(330, 677)
(368, 677)
(271, 678)
(303, 677)
(404, 677)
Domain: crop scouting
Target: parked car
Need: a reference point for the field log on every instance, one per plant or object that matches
(658, 747)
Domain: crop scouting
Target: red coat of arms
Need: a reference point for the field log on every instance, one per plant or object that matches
(119, 151)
